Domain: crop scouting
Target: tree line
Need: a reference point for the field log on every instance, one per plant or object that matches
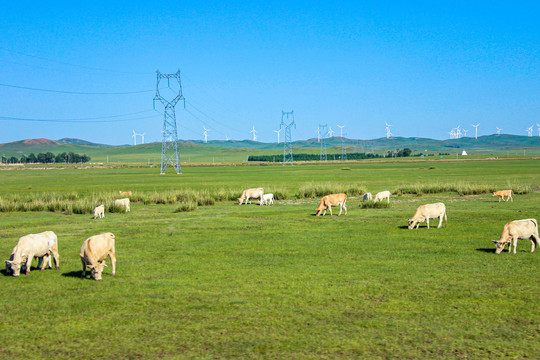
(313, 157)
(47, 158)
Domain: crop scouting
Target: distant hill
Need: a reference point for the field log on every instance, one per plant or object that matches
(79, 142)
(239, 150)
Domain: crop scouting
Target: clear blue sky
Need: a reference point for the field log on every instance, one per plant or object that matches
(422, 66)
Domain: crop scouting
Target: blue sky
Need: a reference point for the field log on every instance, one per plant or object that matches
(422, 66)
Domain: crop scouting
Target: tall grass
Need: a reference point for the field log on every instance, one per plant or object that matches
(461, 188)
(315, 190)
(370, 204)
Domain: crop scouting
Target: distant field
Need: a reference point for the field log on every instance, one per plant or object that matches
(229, 281)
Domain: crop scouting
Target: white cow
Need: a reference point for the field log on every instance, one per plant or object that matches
(518, 229)
(367, 197)
(426, 212)
(94, 251)
(268, 199)
(382, 195)
(99, 211)
(256, 193)
(122, 202)
(33, 245)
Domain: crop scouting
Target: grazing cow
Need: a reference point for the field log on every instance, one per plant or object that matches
(367, 197)
(99, 211)
(94, 251)
(268, 199)
(426, 212)
(33, 245)
(501, 194)
(251, 194)
(332, 200)
(382, 195)
(518, 229)
(124, 193)
(122, 202)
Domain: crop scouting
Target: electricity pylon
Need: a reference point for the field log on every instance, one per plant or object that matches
(287, 122)
(343, 150)
(323, 135)
(169, 144)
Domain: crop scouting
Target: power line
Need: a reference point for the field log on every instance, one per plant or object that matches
(70, 64)
(211, 118)
(76, 119)
(76, 92)
(6, 118)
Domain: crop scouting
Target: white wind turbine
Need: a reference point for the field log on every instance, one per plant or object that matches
(498, 130)
(134, 136)
(330, 131)
(341, 130)
(277, 132)
(465, 132)
(227, 138)
(476, 130)
(537, 124)
(205, 133)
(388, 133)
(318, 134)
(254, 132)
(529, 131)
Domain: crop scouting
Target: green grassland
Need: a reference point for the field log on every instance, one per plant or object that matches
(217, 151)
(229, 281)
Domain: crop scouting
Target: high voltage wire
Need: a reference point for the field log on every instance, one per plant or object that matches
(69, 64)
(77, 119)
(76, 92)
(6, 118)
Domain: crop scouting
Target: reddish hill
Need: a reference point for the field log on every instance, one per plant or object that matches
(40, 141)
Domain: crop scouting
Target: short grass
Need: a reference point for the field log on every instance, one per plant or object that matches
(229, 281)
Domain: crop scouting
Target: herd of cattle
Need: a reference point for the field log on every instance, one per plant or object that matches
(97, 248)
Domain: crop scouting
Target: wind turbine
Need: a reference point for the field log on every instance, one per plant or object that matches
(205, 133)
(538, 129)
(277, 132)
(499, 131)
(134, 136)
(465, 132)
(341, 130)
(227, 138)
(476, 130)
(388, 133)
(330, 131)
(529, 131)
(254, 132)
(319, 133)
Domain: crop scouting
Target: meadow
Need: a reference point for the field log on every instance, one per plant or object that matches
(229, 281)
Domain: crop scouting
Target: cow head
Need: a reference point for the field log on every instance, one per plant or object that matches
(97, 270)
(240, 201)
(411, 223)
(499, 245)
(13, 267)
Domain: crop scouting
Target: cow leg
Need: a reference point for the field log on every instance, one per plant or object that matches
(83, 267)
(515, 243)
(440, 222)
(44, 260)
(29, 263)
(511, 198)
(340, 209)
(112, 255)
(417, 225)
(535, 241)
(324, 212)
(427, 220)
(56, 259)
(345, 207)
(330, 209)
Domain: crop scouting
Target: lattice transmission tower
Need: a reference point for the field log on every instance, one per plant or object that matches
(323, 135)
(169, 144)
(287, 122)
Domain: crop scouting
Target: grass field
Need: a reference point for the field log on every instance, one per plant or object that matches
(229, 281)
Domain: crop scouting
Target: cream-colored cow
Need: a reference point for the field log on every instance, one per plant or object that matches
(382, 195)
(99, 212)
(501, 194)
(518, 229)
(122, 202)
(255, 193)
(332, 200)
(426, 212)
(268, 199)
(124, 193)
(33, 245)
(94, 251)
